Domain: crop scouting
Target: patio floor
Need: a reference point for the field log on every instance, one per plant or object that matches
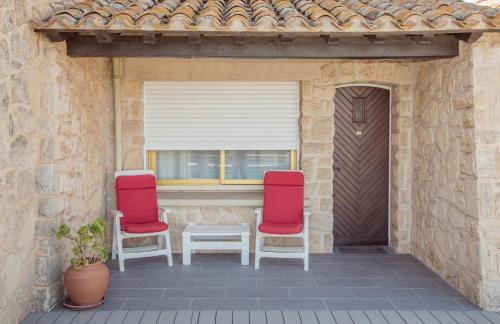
(359, 285)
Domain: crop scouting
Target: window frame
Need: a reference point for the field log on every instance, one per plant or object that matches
(151, 164)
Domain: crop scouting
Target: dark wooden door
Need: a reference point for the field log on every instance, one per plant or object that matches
(361, 166)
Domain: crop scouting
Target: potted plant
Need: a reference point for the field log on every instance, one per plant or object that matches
(86, 280)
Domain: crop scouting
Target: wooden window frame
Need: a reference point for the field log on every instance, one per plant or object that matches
(151, 156)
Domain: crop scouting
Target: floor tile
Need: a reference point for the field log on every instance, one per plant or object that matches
(359, 304)
(426, 304)
(232, 282)
(255, 274)
(320, 293)
(168, 283)
(382, 292)
(437, 292)
(312, 274)
(224, 304)
(266, 304)
(345, 283)
(142, 274)
(194, 293)
(405, 283)
(111, 304)
(199, 274)
(134, 293)
(218, 281)
(368, 274)
(287, 283)
(415, 273)
(157, 304)
(123, 283)
(257, 293)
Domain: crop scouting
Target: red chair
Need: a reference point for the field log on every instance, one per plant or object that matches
(283, 215)
(138, 215)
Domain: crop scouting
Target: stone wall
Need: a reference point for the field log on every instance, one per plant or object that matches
(444, 229)
(319, 80)
(486, 81)
(456, 170)
(55, 152)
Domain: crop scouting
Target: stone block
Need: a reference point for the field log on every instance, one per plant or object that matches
(4, 97)
(47, 178)
(48, 269)
(51, 207)
(19, 151)
(486, 163)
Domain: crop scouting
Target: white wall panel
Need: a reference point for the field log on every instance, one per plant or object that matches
(221, 115)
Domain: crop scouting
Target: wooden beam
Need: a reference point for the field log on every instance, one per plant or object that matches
(270, 47)
(150, 38)
(469, 37)
(330, 40)
(240, 40)
(425, 39)
(376, 40)
(104, 38)
(58, 37)
(194, 40)
(285, 39)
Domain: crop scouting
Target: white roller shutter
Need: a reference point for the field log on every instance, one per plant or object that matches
(221, 115)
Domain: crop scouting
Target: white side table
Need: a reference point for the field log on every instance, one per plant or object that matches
(215, 237)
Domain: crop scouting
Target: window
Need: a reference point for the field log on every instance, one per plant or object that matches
(220, 132)
(217, 167)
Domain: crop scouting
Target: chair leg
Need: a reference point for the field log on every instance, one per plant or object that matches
(113, 246)
(169, 249)
(121, 261)
(306, 252)
(257, 249)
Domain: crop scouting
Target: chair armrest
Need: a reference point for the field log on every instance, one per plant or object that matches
(258, 213)
(163, 214)
(116, 214)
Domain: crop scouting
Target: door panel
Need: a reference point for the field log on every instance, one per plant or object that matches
(361, 166)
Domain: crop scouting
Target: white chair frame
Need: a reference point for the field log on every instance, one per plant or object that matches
(162, 248)
(262, 251)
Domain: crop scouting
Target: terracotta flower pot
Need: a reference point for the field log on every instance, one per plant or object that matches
(88, 284)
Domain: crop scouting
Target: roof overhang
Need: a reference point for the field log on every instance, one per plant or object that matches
(265, 28)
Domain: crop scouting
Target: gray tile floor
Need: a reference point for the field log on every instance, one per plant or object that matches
(334, 282)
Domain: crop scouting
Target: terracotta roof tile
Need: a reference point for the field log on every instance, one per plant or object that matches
(275, 16)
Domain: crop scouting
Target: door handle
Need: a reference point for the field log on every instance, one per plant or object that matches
(336, 168)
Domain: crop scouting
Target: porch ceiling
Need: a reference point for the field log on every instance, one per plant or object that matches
(265, 17)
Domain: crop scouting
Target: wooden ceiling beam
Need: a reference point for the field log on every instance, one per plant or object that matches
(240, 40)
(285, 39)
(376, 40)
(425, 39)
(468, 37)
(263, 47)
(194, 40)
(330, 40)
(150, 38)
(104, 38)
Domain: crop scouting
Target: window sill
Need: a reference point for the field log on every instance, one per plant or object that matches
(210, 198)
(210, 188)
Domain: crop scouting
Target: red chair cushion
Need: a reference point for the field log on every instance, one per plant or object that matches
(281, 228)
(145, 228)
(136, 199)
(283, 197)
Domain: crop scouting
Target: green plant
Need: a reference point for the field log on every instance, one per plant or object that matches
(88, 242)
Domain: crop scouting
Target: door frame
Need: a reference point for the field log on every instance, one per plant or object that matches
(389, 88)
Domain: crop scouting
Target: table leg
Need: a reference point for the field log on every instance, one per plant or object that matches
(186, 249)
(245, 249)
